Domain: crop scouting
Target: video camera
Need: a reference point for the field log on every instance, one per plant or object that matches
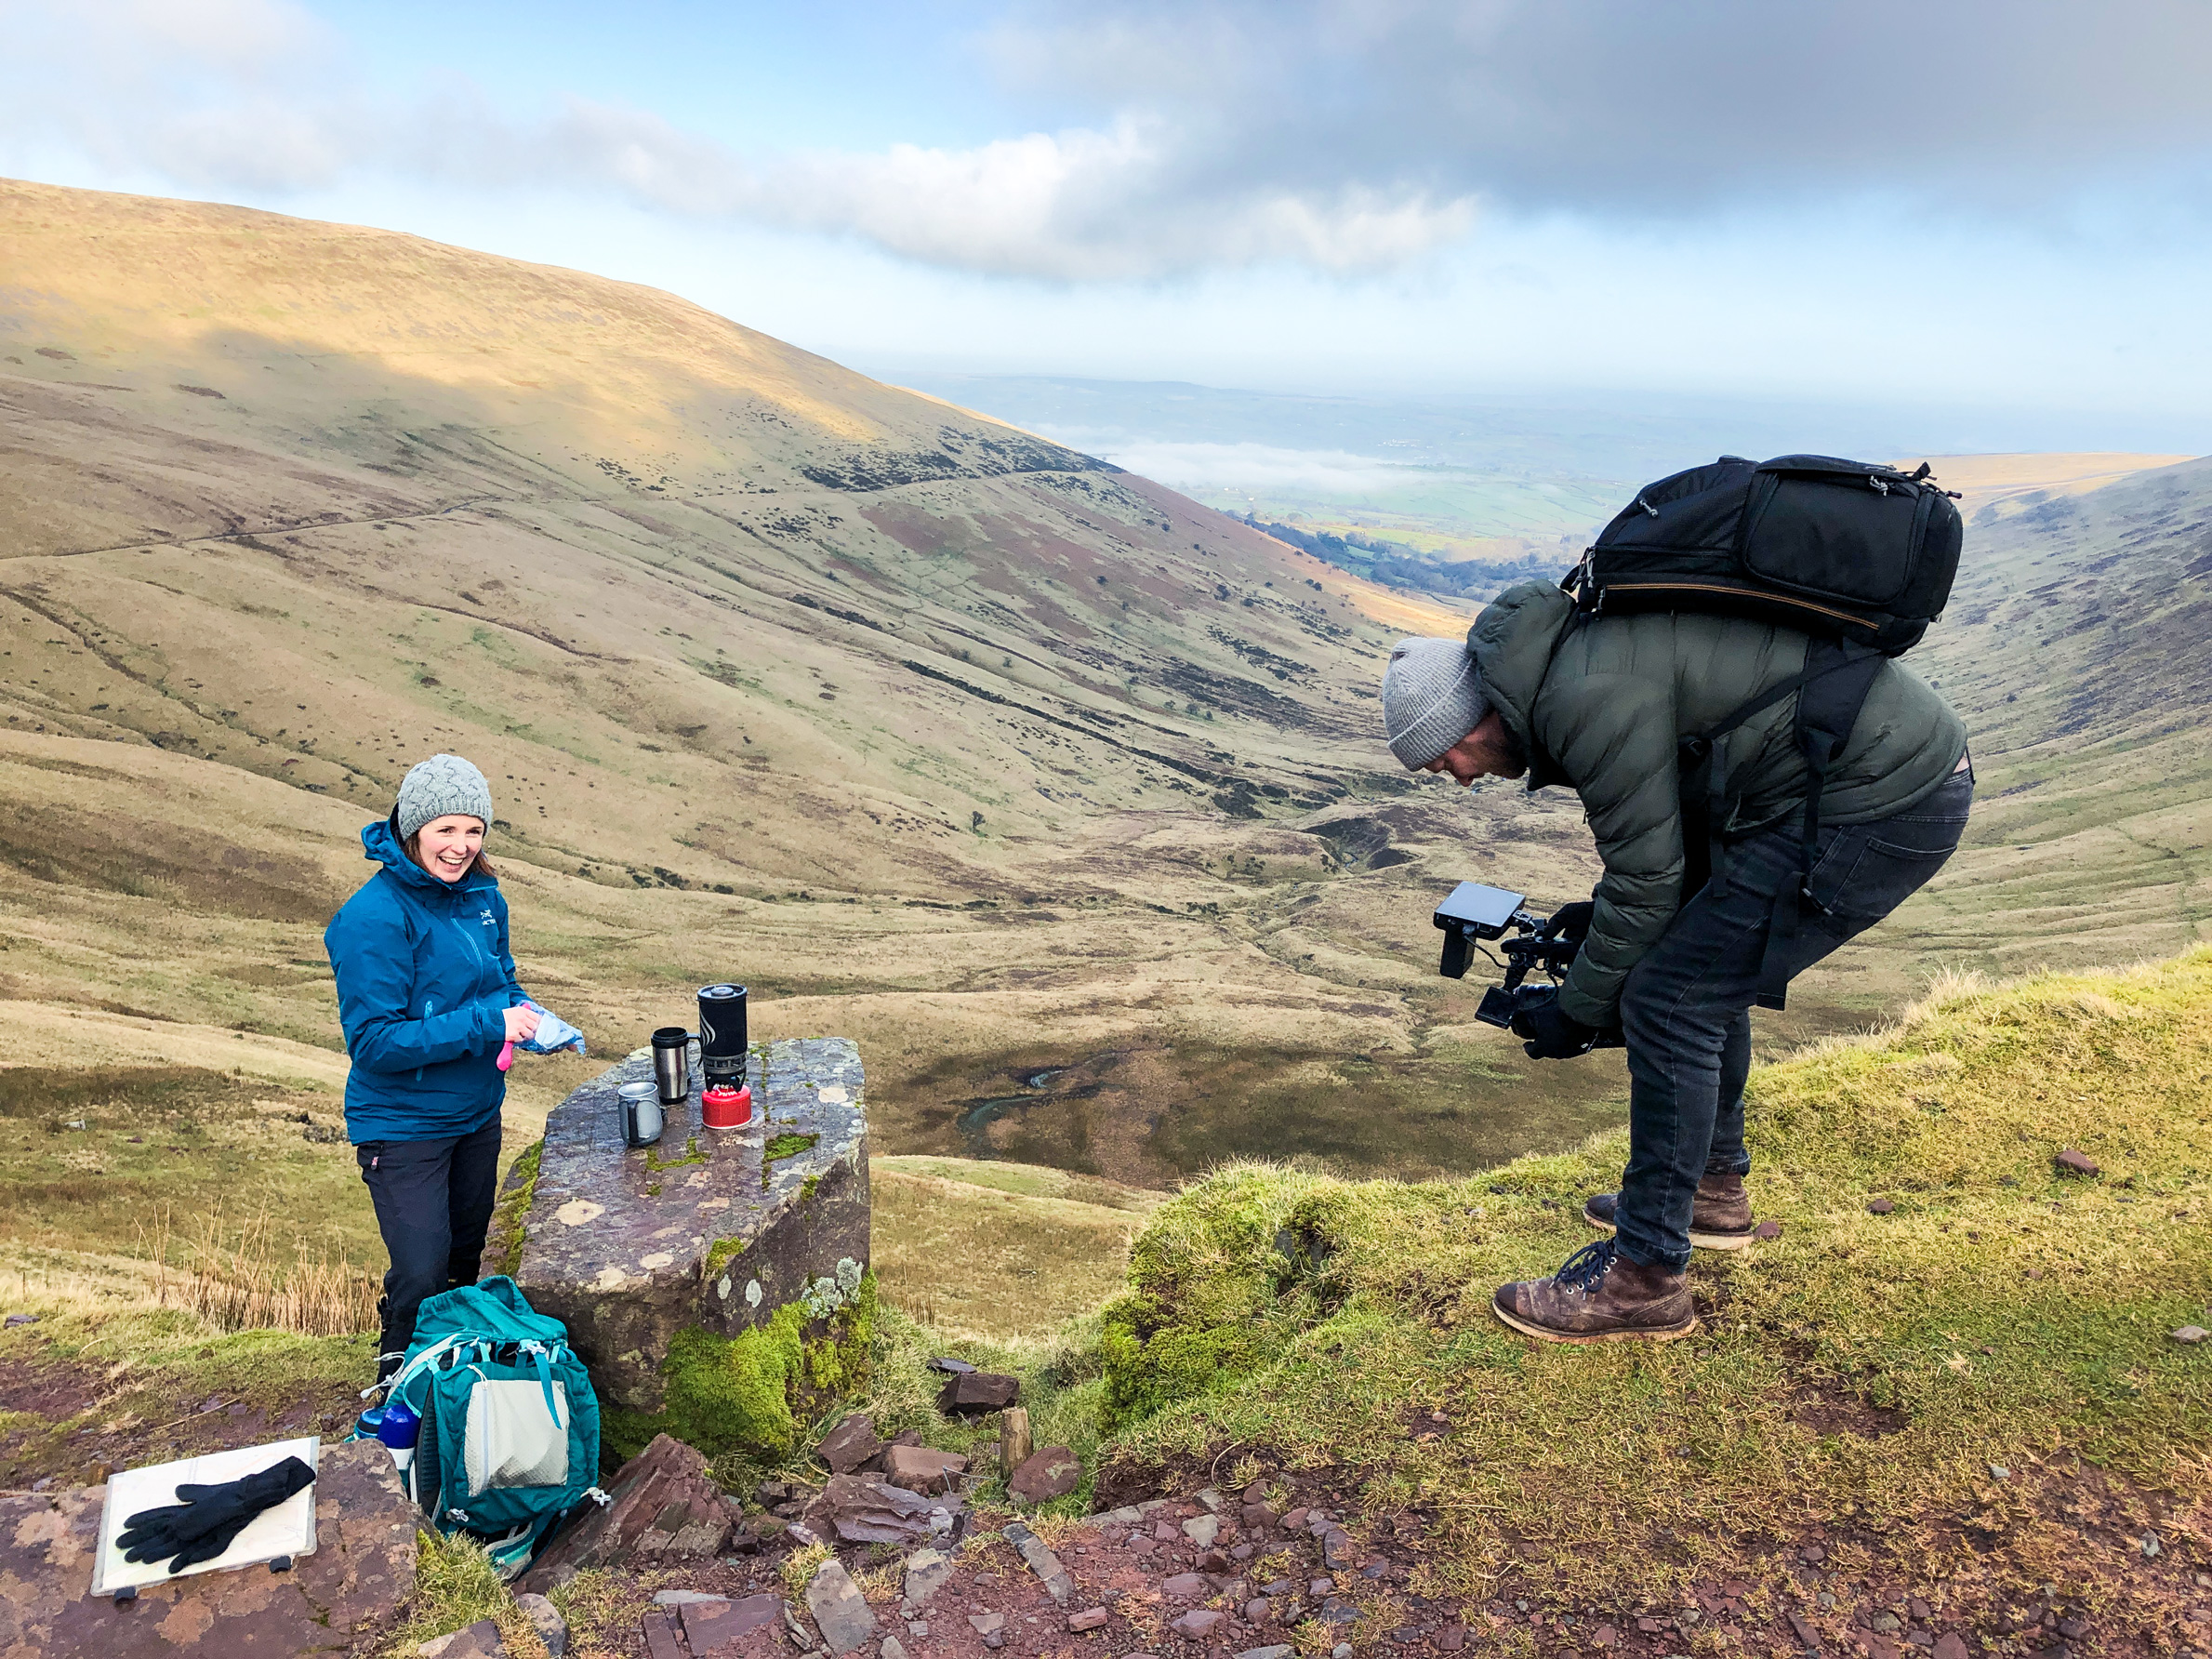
(1475, 913)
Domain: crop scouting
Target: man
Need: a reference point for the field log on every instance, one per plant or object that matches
(1671, 960)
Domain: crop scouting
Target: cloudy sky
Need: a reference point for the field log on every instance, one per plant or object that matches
(1996, 203)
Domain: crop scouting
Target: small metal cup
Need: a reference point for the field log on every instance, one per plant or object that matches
(641, 1118)
(671, 1064)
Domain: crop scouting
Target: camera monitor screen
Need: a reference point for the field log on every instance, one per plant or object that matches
(1487, 911)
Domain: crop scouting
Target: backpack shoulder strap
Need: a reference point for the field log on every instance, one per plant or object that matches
(1835, 692)
(1699, 747)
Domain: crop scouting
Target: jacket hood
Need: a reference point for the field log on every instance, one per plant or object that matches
(1513, 641)
(380, 846)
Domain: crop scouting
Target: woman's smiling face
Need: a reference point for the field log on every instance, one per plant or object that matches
(448, 846)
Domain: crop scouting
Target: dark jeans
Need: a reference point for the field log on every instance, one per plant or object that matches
(1685, 1009)
(433, 1201)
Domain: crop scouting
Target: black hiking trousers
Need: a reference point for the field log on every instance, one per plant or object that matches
(433, 1201)
(1685, 1009)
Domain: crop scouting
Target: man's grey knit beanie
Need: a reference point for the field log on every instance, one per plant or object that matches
(443, 783)
(1432, 697)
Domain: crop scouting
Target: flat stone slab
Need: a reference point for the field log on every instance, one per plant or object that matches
(362, 1569)
(619, 1241)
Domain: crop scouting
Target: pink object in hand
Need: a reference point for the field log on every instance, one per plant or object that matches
(507, 1055)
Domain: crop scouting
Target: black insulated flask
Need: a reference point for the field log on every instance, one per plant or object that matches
(722, 1036)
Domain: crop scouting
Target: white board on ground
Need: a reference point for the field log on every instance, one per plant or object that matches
(286, 1528)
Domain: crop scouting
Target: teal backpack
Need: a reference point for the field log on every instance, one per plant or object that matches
(509, 1442)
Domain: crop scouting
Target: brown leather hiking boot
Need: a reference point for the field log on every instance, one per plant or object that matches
(1599, 1295)
(1719, 1214)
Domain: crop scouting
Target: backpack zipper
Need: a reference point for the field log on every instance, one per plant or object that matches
(1738, 592)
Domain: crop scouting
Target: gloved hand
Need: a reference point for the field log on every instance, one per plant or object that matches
(1569, 922)
(1550, 1034)
(210, 1518)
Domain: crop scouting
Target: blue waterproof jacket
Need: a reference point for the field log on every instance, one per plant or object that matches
(424, 980)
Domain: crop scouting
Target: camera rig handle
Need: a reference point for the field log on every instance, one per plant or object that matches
(1528, 950)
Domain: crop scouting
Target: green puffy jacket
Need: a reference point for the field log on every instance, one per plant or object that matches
(1600, 705)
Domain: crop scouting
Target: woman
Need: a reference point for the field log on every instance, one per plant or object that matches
(426, 995)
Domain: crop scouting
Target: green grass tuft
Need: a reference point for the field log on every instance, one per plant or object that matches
(455, 1585)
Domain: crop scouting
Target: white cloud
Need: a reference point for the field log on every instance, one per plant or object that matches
(251, 95)
(1339, 137)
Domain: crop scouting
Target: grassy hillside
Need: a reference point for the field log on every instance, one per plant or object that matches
(2073, 647)
(1918, 1388)
(1058, 791)
(1007, 762)
(996, 1250)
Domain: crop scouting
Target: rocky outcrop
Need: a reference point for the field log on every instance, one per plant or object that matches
(663, 1507)
(330, 1601)
(701, 1277)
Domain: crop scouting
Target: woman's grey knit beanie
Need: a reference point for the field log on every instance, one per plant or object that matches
(443, 783)
(1432, 697)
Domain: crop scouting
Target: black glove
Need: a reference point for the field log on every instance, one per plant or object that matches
(210, 1518)
(1571, 922)
(1550, 1034)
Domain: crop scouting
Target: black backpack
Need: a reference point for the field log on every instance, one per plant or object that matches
(1848, 550)
(1859, 555)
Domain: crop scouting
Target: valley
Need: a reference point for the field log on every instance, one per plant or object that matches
(1060, 792)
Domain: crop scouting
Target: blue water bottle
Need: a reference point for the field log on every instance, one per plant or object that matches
(400, 1429)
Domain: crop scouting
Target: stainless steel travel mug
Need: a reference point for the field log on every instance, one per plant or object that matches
(671, 1064)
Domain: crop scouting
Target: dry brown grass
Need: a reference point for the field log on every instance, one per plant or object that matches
(237, 1279)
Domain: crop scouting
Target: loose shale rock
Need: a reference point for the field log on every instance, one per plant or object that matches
(666, 1504)
(868, 1509)
(922, 1468)
(851, 1446)
(1052, 1473)
(979, 1391)
(722, 1629)
(840, 1610)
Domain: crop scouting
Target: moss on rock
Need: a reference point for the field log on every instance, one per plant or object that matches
(721, 1253)
(752, 1392)
(508, 1220)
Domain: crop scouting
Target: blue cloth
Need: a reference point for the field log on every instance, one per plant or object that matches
(552, 1035)
(424, 981)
